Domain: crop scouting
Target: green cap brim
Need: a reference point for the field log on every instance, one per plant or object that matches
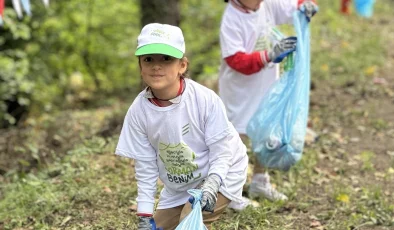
(159, 49)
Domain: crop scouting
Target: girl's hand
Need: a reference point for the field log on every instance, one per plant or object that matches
(210, 188)
(144, 223)
(147, 223)
(308, 7)
(282, 49)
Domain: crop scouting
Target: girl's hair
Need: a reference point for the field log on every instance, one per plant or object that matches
(186, 73)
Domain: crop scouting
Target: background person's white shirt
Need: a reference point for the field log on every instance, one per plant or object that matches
(182, 144)
(249, 32)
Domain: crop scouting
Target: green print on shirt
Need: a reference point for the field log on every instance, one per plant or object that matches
(178, 161)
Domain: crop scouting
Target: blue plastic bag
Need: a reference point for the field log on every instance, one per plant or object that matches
(364, 7)
(193, 221)
(277, 129)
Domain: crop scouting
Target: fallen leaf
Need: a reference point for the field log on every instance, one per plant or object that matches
(338, 137)
(351, 162)
(379, 174)
(389, 92)
(370, 70)
(314, 224)
(343, 198)
(345, 44)
(65, 220)
(324, 68)
(355, 182)
(107, 189)
(354, 139)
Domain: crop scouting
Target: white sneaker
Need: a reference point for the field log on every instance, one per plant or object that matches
(242, 204)
(261, 186)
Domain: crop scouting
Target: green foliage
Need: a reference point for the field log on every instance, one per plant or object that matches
(74, 52)
(379, 124)
(366, 158)
(16, 86)
(65, 55)
(200, 24)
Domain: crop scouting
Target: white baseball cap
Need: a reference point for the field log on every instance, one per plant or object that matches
(158, 38)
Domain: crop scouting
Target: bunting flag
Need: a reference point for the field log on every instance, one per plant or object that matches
(26, 6)
(1, 11)
(46, 2)
(17, 7)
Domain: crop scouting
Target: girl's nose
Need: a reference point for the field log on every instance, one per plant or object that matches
(156, 66)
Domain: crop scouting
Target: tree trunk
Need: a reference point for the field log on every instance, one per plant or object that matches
(160, 11)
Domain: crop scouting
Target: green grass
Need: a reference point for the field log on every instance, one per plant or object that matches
(86, 180)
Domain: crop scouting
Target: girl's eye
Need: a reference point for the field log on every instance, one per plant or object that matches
(167, 58)
(148, 59)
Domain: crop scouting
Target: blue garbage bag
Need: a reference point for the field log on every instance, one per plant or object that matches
(193, 221)
(277, 129)
(364, 7)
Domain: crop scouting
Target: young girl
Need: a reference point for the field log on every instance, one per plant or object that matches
(248, 68)
(177, 130)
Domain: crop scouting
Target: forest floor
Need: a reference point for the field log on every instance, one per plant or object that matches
(59, 171)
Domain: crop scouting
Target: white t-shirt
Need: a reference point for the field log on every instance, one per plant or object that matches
(182, 144)
(249, 32)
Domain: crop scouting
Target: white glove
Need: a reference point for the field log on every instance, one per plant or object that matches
(285, 47)
(309, 8)
(210, 187)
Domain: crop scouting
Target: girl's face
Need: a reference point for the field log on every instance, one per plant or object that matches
(251, 4)
(162, 72)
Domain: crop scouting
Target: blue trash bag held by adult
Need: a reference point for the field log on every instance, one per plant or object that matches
(364, 7)
(193, 221)
(277, 129)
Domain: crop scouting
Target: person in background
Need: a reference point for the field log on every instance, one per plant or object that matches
(345, 6)
(250, 66)
(177, 131)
